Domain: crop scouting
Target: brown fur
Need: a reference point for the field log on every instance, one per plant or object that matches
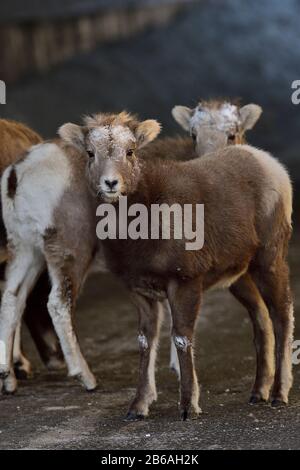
(170, 148)
(15, 139)
(230, 183)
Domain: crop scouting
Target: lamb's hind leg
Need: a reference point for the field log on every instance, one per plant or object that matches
(275, 288)
(149, 327)
(246, 291)
(40, 325)
(41, 328)
(22, 273)
(174, 362)
(22, 366)
(61, 305)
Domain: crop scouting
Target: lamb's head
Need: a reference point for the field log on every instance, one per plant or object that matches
(111, 142)
(215, 124)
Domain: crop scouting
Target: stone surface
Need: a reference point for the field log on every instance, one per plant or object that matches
(51, 411)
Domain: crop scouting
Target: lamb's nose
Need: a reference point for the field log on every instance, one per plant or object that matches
(111, 184)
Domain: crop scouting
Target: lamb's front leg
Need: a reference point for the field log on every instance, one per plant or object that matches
(150, 314)
(185, 298)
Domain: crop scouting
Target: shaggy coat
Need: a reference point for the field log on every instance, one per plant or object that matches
(247, 196)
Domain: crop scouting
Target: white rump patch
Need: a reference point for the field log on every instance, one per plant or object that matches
(42, 178)
(277, 181)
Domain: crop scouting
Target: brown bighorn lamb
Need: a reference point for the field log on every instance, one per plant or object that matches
(248, 203)
(15, 139)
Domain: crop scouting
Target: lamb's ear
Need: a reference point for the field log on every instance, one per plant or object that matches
(249, 115)
(72, 134)
(146, 131)
(182, 114)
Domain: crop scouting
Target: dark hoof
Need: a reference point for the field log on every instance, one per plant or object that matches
(184, 415)
(22, 374)
(132, 416)
(277, 403)
(89, 386)
(255, 399)
(92, 390)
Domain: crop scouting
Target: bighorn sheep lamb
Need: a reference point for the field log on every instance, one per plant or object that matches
(247, 196)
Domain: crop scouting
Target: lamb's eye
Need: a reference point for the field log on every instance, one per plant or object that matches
(194, 137)
(90, 154)
(231, 137)
(129, 153)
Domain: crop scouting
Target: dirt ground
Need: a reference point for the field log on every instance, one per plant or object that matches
(51, 411)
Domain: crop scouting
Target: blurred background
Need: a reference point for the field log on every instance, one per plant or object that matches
(64, 59)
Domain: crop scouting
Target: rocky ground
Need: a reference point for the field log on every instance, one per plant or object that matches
(52, 411)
